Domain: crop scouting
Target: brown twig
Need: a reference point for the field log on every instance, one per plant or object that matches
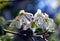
(16, 33)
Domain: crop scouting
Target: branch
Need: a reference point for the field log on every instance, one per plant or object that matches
(7, 31)
(16, 33)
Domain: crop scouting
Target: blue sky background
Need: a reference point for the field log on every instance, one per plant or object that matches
(51, 7)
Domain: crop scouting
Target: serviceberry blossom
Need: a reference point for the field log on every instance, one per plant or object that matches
(39, 20)
(43, 20)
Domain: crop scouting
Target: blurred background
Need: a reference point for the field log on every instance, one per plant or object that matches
(9, 9)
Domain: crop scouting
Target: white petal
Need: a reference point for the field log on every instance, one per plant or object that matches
(22, 11)
(38, 13)
(46, 15)
(29, 16)
(18, 25)
(26, 26)
(45, 25)
(33, 29)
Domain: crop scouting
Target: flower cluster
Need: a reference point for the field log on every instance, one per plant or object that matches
(27, 20)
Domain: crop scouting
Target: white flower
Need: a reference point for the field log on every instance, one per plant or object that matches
(39, 17)
(42, 20)
(21, 19)
(49, 24)
(24, 17)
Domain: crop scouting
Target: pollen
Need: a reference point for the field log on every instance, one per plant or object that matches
(46, 19)
(32, 22)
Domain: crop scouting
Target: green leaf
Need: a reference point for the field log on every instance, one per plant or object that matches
(3, 3)
(52, 37)
(39, 31)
